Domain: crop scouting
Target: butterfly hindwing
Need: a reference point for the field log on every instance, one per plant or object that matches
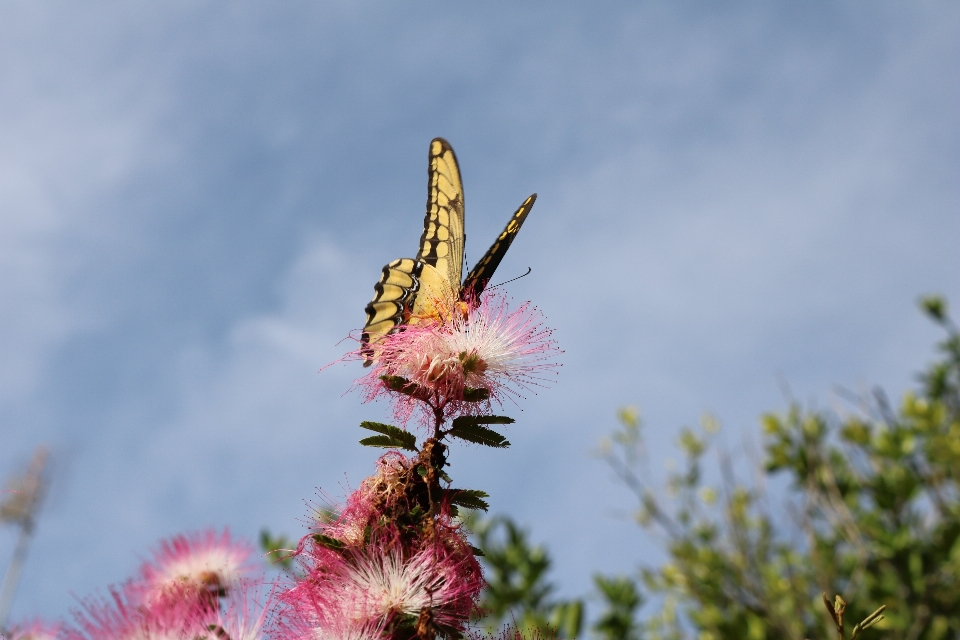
(441, 245)
(480, 275)
(393, 298)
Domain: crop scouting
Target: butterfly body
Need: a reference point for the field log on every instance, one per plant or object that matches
(411, 290)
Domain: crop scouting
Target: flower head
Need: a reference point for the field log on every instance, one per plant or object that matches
(358, 592)
(377, 586)
(204, 564)
(34, 630)
(122, 618)
(464, 358)
(388, 560)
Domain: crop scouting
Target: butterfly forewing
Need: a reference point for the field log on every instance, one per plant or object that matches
(480, 275)
(441, 245)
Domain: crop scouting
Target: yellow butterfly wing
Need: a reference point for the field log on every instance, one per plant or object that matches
(441, 245)
(410, 289)
(392, 299)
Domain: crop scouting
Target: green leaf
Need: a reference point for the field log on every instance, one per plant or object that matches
(393, 437)
(476, 551)
(387, 430)
(479, 435)
(475, 420)
(476, 395)
(469, 498)
(935, 307)
(330, 543)
(402, 385)
(470, 428)
(384, 442)
(277, 549)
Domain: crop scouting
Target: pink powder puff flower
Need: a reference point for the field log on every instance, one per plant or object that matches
(378, 586)
(484, 346)
(34, 630)
(122, 618)
(205, 564)
(357, 592)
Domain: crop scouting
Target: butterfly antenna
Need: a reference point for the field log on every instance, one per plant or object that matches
(512, 279)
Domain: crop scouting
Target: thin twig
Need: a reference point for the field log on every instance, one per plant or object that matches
(836, 612)
(869, 621)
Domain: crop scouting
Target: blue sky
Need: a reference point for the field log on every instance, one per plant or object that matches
(196, 199)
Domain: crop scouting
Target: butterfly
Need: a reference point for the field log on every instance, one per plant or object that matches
(411, 289)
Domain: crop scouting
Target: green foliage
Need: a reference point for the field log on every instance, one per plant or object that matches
(622, 599)
(392, 438)
(464, 421)
(330, 543)
(873, 513)
(468, 498)
(277, 549)
(518, 591)
(471, 394)
(471, 429)
(404, 386)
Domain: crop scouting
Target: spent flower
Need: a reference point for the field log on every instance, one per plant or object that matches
(371, 501)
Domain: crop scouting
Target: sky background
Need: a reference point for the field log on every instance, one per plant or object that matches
(196, 199)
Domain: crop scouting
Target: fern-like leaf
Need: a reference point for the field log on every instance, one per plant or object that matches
(479, 435)
(393, 437)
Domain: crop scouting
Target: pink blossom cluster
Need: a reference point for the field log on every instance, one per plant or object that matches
(480, 346)
(194, 587)
(387, 566)
(393, 563)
